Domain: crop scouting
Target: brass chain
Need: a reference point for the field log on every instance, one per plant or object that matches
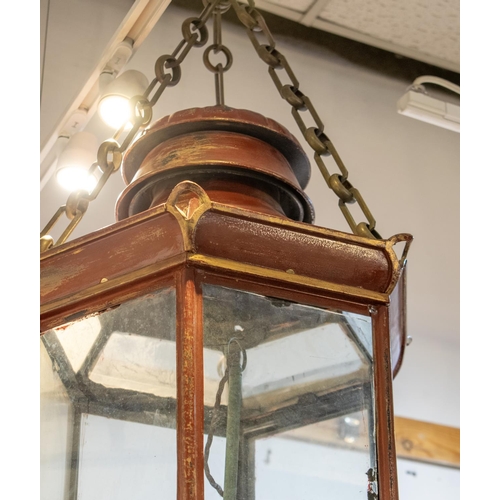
(216, 48)
(110, 153)
(168, 74)
(300, 103)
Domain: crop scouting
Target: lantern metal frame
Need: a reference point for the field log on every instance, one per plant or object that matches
(191, 240)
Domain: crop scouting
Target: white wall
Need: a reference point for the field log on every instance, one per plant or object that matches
(74, 38)
(426, 388)
(408, 171)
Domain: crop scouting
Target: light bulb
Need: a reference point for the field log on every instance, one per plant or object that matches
(73, 177)
(114, 107)
(114, 110)
(75, 160)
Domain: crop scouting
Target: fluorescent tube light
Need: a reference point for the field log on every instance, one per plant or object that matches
(417, 104)
(428, 109)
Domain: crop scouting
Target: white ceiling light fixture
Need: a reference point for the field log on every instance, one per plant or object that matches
(130, 34)
(114, 107)
(72, 169)
(416, 103)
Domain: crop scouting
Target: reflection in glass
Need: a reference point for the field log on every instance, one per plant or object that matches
(298, 416)
(108, 407)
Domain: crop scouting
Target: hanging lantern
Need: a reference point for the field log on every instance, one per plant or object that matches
(213, 342)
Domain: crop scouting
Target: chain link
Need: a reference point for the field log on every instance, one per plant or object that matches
(110, 153)
(168, 74)
(216, 48)
(300, 103)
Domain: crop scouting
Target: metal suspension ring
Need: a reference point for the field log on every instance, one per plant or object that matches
(167, 62)
(215, 49)
(201, 28)
(222, 5)
(141, 109)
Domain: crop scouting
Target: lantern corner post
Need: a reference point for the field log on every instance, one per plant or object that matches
(190, 379)
(387, 479)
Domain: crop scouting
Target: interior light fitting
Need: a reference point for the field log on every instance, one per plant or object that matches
(114, 107)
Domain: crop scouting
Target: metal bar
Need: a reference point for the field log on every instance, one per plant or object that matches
(233, 422)
(162, 414)
(384, 413)
(95, 351)
(370, 410)
(349, 331)
(76, 392)
(69, 229)
(246, 469)
(190, 379)
(309, 408)
(219, 89)
(74, 458)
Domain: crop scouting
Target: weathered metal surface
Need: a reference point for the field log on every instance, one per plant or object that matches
(190, 379)
(221, 118)
(238, 194)
(190, 230)
(386, 443)
(352, 261)
(217, 148)
(397, 323)
(233, 168)
(109, 259)
(193, 240)
(282, 279)
(263, 162)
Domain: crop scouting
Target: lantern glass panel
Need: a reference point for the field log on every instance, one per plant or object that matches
(108, 407)
(304, 404)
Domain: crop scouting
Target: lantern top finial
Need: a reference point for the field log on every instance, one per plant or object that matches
(243, 158)
(223, 118)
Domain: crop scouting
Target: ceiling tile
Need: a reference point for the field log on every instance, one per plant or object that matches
(428, 26)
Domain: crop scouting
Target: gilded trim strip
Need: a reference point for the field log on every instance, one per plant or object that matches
(349, 292)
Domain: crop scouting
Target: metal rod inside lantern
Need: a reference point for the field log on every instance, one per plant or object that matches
(233, 419)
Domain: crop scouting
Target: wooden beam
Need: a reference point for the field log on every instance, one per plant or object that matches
(427, 442)
(415, 440)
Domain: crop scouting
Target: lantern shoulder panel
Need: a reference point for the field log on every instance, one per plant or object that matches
(299, 249)
(190, 230)
(110, 258)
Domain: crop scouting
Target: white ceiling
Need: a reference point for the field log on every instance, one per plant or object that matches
(426, 30)
(412, 191)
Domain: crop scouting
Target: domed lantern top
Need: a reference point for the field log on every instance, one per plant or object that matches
(239, 157)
